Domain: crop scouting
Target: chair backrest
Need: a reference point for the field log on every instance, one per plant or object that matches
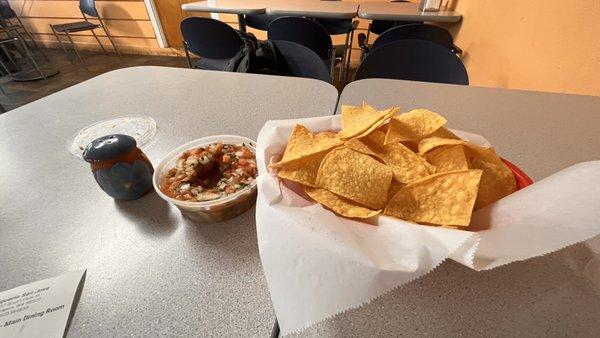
(6, 11)
(380, 26)
(210, 38)
(415, 31)
(300, 61)
(88, 7)
(335, 26)
(303, 31)
(260, 21)
(416, 60)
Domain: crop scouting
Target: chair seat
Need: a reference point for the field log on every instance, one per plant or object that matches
(211, 64)
(75, 26)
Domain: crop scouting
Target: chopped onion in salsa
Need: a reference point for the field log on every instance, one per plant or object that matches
(210, 172)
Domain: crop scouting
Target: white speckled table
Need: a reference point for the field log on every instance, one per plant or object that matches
(404, 12)
(149, 271)
(239, 7)
(313, 8)
(550, 296)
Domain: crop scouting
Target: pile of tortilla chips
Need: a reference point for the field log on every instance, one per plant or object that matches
(405, 165)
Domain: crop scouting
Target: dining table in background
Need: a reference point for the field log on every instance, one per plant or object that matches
(313, 8)
(239, 7)
(554, 295)
(149, 270)
(404, 11)
(309, 8)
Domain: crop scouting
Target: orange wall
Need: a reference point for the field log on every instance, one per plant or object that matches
(550, 45)
(127, 21)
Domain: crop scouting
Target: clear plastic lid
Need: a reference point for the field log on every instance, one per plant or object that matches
(142, 128)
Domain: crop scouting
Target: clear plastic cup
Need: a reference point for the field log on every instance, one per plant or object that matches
(208, 211)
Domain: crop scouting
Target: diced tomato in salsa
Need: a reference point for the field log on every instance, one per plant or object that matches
(210, 172)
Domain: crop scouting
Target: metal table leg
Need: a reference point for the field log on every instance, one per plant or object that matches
(242, 22)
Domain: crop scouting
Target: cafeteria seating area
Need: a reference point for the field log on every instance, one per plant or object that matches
(303, 168)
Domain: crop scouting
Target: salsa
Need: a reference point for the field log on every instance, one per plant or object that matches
(210, 172)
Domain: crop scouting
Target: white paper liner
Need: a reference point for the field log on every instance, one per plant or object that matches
(318, 265)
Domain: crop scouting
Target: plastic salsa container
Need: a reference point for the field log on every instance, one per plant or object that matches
(212, 211)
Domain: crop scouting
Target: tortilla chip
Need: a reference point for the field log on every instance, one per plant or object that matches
(428, 144)
(414, 125)
(444, 132)
(360, 121)
(405, 164)
(303, 171)
(303, 143)
(358, 145)
(440, 199)
(449, 158)
(394, 188)
(497, 181)
(338, 204)
(355, 176)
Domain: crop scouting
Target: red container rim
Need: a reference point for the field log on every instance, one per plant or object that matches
(520, 177)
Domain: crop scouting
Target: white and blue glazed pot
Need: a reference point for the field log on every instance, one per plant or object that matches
(120, 168)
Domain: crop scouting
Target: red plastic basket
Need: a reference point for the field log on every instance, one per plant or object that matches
(522, 179)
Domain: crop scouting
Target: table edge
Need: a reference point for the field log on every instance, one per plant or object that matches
(206, 9)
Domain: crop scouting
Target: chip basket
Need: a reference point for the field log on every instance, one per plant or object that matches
(520, 177)
(523, 181)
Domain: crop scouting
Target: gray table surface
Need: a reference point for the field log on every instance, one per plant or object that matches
(149, 271)
(554, 295)
(313, 8)
(404, 11)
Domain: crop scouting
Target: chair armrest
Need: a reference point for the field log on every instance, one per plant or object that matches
(456, 50)
(362, 43)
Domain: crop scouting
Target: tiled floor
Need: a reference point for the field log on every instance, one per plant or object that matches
(19, 93)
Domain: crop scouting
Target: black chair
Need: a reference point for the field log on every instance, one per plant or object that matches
(87, 8)
(20, 47)
(380, 26)
(341, 27)
(260, 21)
(415, 60)
(435, 34)
(213, 41)
(300, 61)
(14, 23)
(307, 33)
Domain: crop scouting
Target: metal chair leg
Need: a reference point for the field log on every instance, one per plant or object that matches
(3, 65)
(187, 55)
(74, 47)
(111, 40)
(100, 43)
(61, 44)
(8, 56)
(35, 44)
(349, 57)
(332, 70)
(29, 56)
(343, 62)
